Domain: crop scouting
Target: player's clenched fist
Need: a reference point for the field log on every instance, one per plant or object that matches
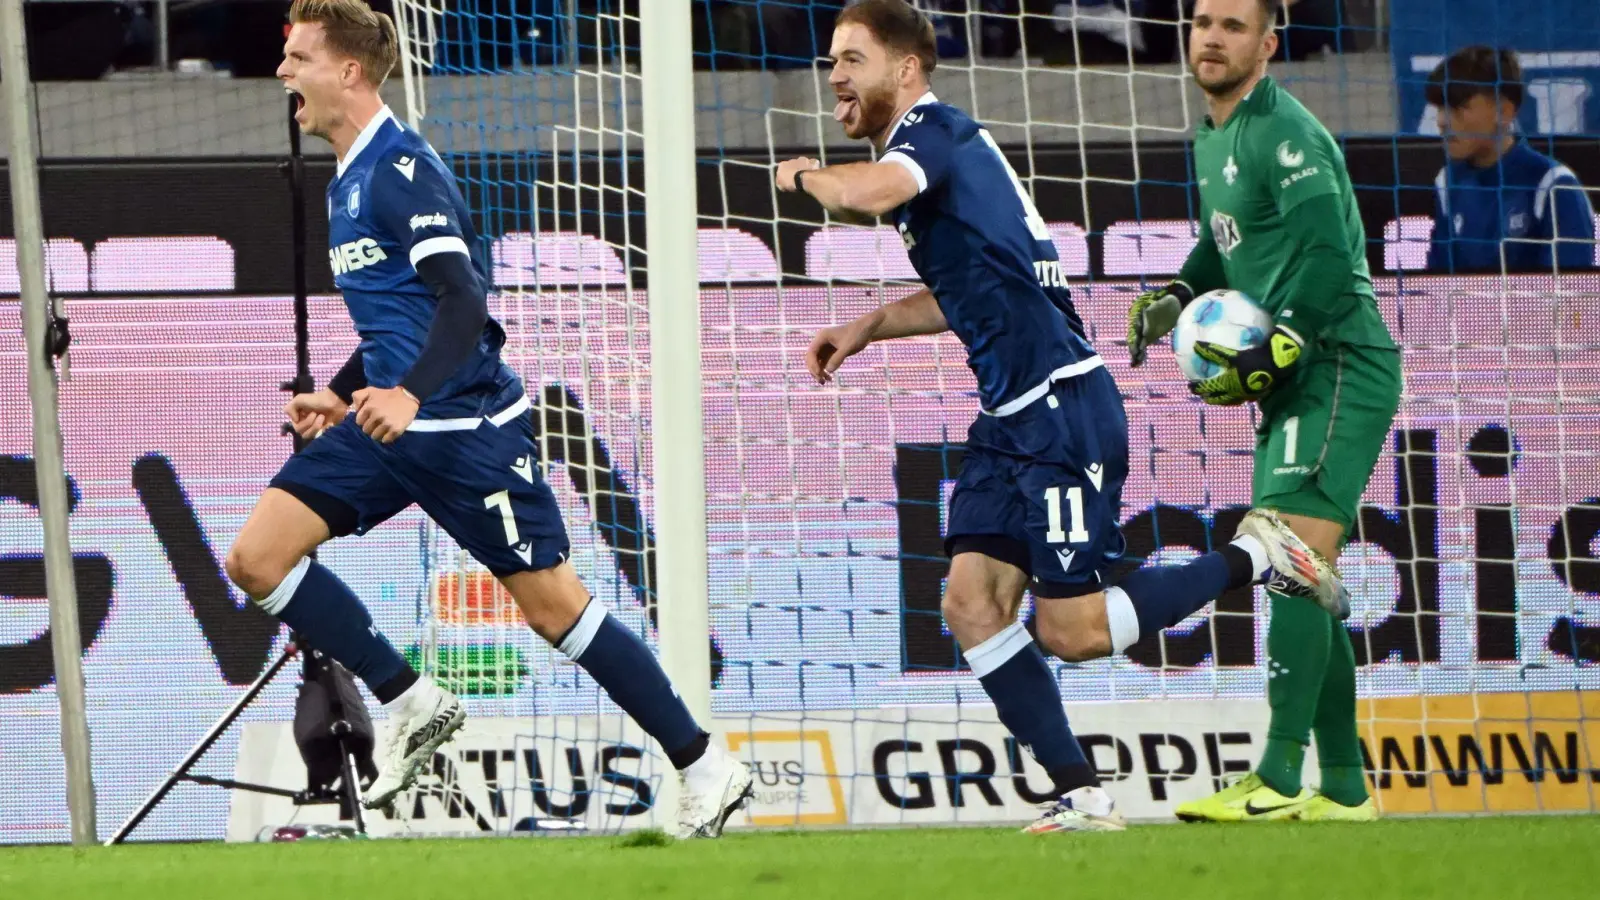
(784, 174)
(837, 343)
(384, 413)
(311, 414)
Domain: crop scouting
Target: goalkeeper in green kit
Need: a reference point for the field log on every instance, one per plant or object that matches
(1279, 224)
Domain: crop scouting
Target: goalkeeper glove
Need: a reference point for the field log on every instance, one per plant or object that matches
(1249, 374)
(1153, 314)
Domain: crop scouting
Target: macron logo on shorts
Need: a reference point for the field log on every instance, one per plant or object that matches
(524, 467)
(1096, 473)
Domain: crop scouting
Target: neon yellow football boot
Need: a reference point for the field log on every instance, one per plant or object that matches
(1322, 809)
(1246, 800)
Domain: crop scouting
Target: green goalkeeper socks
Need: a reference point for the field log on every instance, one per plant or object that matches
(1297, 655)
(1338, 743)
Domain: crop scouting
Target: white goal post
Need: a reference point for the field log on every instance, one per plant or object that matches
(37, 310)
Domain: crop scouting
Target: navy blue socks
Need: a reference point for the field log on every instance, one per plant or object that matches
(622, 664)
(322, 609)
(1014, 674)
(1157, 597)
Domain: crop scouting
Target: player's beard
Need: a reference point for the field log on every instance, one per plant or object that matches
(1225, 84)
(874, 111)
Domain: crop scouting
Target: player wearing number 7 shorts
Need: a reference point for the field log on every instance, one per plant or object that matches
(1037, 504)
(1280, 224)
(426, 413)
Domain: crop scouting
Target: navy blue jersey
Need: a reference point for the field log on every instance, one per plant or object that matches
(979, 244)
(393, 202)
(1525, 199)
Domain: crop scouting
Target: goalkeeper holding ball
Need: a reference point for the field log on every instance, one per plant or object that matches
(1279, 223)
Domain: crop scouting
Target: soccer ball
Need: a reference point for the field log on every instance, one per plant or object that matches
(1224, 317)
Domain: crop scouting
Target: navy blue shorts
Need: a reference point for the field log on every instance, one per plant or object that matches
(480, 484)
(1041, 489)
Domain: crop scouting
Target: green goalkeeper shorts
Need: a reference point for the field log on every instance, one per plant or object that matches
(1321, 434)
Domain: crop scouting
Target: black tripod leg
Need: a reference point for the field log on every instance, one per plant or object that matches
(352, 786)
(200, 749)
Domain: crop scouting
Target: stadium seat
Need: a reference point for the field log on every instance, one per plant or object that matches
(1072, 247)
(733, 256)
(849, 253)
(1405, 243)
(1152, 247)
(161, 265)
(66, 266)
(551, 259)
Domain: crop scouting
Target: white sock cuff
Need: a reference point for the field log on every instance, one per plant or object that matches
(1250, 544)
(274, 602)
(422, 685)
(583, 631)
(996, 651)
(1123, 621)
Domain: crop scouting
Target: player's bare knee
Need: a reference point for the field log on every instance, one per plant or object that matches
(972, 615)
(551, 600)
(256, 568)
(1075, 629)
(1074, 644)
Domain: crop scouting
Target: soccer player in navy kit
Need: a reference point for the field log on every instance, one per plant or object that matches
(439, 421)
(1038, 500)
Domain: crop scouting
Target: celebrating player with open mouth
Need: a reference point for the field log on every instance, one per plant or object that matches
(1280, 224)
(1037, 503)
(438, 420)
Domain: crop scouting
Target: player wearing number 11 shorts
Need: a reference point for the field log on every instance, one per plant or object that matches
(1279, 223)
(1037, 503)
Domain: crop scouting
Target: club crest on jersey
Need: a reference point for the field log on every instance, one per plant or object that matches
(1225, 231)
(352, 203)
(1230, 171)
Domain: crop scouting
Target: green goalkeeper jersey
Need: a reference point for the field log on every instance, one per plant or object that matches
(1269, 157)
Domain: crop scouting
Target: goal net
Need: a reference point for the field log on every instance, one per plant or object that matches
(1476, 631)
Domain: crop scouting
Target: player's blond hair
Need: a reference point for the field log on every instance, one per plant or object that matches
(353, 30)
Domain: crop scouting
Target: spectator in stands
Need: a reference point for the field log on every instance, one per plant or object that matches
(1496, 190)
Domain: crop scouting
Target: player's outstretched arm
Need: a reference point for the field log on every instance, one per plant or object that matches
(913, 315)
(861, 188)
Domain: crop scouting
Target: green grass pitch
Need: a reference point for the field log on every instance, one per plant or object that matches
(1537, 857)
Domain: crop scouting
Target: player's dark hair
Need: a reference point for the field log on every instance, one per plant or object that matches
(352, 29)
(897, 25)
(1476, 71)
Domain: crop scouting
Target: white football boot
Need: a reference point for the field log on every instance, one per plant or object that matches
(1081, 809)
(710, 791)
(1297, 570)
(428, 717)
